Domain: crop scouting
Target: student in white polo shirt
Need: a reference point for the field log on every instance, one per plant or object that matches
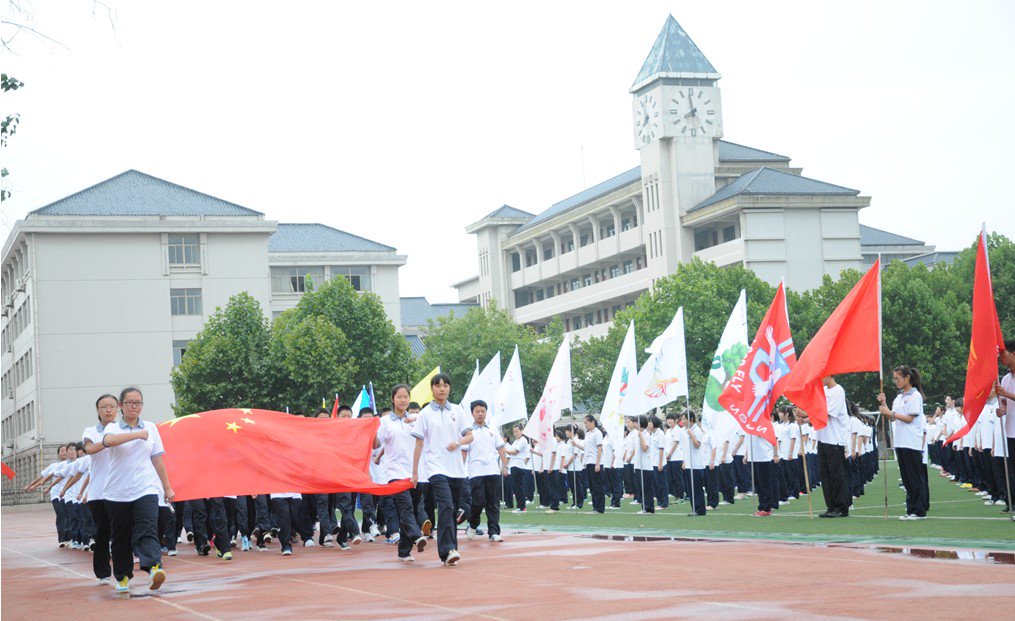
(832, 440)
(394, 439)
(592, 450)
(487, 462)
(519, 456)
(441, 430)
(1006, 413)
(675, 456)
(45, 476)
(907, 418)
(105, 409)
(131, 493)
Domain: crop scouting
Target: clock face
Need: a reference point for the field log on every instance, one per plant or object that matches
(693, 113)
(646, 119)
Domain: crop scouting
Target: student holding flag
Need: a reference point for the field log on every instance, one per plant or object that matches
(907, 419)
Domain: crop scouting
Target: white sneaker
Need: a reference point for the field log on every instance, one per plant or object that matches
(723, 502)
(287, 552)
(783, 502)
(453, 557)
(358, 539)
(406, 559)
(918, 517)
(172, 553)
(374, 531)
(395, 538)
(496, 538)
(999, 503)
(906, 518)
(328, 539)
(309, 543)
(368, 537)
(470, 533)
(104, 581)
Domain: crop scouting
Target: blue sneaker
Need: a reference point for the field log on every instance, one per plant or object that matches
(245, 544)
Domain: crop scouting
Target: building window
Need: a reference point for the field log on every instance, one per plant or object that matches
(587, 280)
(357, 275)
(184, 250)
(516, 262)
(589, 319)
(577, 323)
(628, 266)
(185, 301)
(611, 230)
(585, 239)
(522, 298)
(567, 325)
(615, 310)
(625, 224)
(729, 234)
(549, 292)
(531, 258)
(547, 252)
(614, 271)
(294, 279)
(539, 295)
(567, 245)
(574, 284)
(179, 349)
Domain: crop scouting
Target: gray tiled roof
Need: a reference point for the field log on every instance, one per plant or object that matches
(733, 152)
(507, 211)
(931, 258)
(673, 53)
(134, 193)
(417, 311)
(870, 236)
(767, 181)
(415, 345)
(584, 196)
(320, 238)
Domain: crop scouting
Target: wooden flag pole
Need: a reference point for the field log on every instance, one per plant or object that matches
(881, 382)
(1001, 401)
(807, 477)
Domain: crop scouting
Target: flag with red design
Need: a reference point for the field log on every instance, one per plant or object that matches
(556, 396)
(240, 452)
(985, 342)
(762, 376)
(7, 471)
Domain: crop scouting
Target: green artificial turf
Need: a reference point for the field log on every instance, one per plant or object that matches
(957, 518)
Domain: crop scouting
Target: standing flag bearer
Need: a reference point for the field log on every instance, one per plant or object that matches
(985, 343)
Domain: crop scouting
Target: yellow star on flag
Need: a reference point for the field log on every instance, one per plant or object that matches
(233, 427)
(245, 410)
(172, 423)
(248, 421)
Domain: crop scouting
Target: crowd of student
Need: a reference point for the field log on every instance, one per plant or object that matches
(112, 495)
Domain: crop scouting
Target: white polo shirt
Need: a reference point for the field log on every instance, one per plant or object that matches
(564, 452)
(760, 449)
(838, 416)
(484, 458)
(521, 458)
(438, 426)
(908, 435)
(100, 462)
(698, 457)
(395, 437)
(677, 436)
(80, 466)
(131, 473)
(1008, 383)
(629, 443)
(54, 470)
(608, 457)
(593, 440)
(295, 495)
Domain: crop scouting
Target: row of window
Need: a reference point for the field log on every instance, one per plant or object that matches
(523, 298)
(15, 271)
(567, 243)
(592, 318)
(650, 190)
(17, 324)
(19, 423)
(707, 239)
(294, 279)
(17, 374)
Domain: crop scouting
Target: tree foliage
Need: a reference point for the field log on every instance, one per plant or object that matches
(310, 358)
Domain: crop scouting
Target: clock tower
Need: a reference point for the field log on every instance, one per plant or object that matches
(677, 123)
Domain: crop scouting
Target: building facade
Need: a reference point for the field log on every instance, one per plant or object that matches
(695, 195)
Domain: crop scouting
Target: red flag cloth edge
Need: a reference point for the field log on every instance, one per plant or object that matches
(751, 393)
(849, 341)
(7, 471)
(240, 452)
(334, 408)
(985, 343)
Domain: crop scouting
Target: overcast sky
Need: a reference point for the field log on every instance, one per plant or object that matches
(404, 122)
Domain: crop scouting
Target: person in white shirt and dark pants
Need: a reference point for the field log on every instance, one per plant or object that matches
(907, 419)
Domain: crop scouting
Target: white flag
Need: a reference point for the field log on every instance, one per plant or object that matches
(733, 347)
(469, 395)
(556, 397)
(508, 403)
(623, 374)
(663, 377)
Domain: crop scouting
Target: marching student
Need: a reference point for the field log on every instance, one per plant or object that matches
(396, 444)
(134, 480)
(645, 465)
(487, 461)
(698, 448)
(441, 430)
(1006, 412)
(368, 502)
(907, 418)
(518, 465)
(572, 465)
(675, 457)
(105, 410)
(44, 477)
(592, 452)
(286, 507)
(831, 452)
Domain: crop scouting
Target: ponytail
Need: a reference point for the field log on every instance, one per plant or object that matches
(912, 375)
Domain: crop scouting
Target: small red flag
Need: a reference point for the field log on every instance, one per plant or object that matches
(241, 452)
(985, 343)
(7, 471)
(848, 341)
(762, 375)
(334, 408)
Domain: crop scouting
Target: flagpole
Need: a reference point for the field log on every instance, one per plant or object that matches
(807, 478)
(1007, 480)
(881, 381)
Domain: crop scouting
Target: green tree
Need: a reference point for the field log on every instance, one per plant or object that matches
(226, 365)
(310, 360)
(376, 351)
(455, 343)
(8, 127)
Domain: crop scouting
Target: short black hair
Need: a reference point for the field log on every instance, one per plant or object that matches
(363, 411)
(413, 405)
(477, 403)
(440, 377)
(344, 408)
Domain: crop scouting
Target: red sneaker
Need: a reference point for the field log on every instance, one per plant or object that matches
(762, 514)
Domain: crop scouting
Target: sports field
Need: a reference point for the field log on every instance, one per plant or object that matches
(958, 518)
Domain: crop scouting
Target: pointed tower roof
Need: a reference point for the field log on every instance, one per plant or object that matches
(674, 55)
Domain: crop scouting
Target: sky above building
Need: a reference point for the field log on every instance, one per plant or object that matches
(404, 122)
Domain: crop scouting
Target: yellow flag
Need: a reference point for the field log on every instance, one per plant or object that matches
(421, 392)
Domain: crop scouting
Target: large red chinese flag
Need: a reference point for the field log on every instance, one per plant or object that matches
(7, 470)
(762, 375)
(241, 452)
(848, 342)
(985, 344)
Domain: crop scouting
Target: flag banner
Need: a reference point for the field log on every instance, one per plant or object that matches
(732, 349)
(985, 342)
(470, 390)
(663, 377)
(239, 452)
(762, 375)
(556, 397)
(334, 408)
(508, 403)
(848, 342)
(624, 371)
(362, 401)
(7, 471)
(484, 385)
(421, 392)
